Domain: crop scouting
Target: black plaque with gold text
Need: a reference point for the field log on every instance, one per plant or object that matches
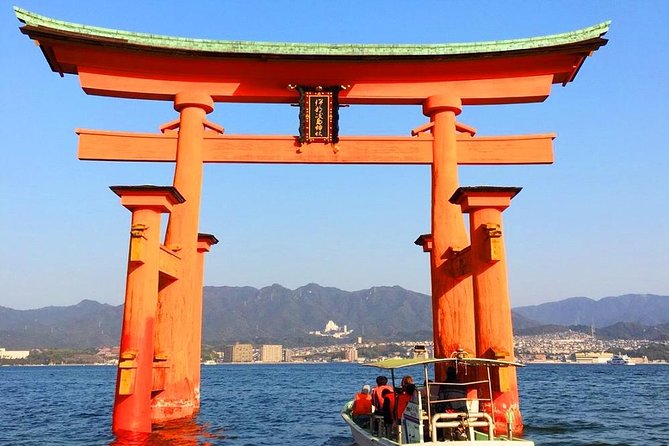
(319, 115)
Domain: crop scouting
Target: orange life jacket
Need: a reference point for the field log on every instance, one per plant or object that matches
(362, 404)
(377, 399)
(390, 415)
(402, 402)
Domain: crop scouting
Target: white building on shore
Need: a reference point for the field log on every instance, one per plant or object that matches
(333, 330)
(13, 354)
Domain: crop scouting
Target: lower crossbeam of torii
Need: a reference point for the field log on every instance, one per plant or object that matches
(217, 147)
(159, 362)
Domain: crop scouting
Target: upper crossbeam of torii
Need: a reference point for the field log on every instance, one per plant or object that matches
(143, 66)
(159, 374)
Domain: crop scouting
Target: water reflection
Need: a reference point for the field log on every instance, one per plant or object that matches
(179, 432)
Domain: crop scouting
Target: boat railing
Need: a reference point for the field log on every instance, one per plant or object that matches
(464, 407)
(453, 400)
(469, 420)
(465, 385)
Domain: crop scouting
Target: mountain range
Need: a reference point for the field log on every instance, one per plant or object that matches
(644, 309)
(278, 314)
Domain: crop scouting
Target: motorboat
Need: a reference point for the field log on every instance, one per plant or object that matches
(424, 421)
(620, 360)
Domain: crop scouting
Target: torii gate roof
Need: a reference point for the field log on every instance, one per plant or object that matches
(147, 66)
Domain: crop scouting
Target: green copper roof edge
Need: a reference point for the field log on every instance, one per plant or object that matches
(313, 49)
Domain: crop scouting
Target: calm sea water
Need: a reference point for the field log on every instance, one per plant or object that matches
(298, 405)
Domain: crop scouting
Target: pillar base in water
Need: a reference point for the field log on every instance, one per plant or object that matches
(507, 414)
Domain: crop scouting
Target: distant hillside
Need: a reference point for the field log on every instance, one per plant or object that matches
(270, 314)
(277, 314)
(520, 322)
(86, 324)
(642, 309)
(631, 330)
(550, 329)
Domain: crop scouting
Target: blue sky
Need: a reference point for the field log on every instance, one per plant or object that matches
(595, 223)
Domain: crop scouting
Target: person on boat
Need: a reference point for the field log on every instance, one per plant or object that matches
(377, 392)
(388, 410)
(362, 406)
(402, 396)
(403, 400)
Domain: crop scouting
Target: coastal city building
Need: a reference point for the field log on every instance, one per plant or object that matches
(592, 357)
(576, 347)
(271, 353)
(13, 354)
(238, 353)
(565, 347)
(351, 354)
(108, 355)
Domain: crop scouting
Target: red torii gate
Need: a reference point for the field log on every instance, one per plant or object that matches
(159, 362)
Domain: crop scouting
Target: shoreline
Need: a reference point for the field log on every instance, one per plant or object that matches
(319, 363)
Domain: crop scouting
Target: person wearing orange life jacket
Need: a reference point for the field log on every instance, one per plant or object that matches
(403, 400)
(388, 410)
(362, 406)
(377, 392)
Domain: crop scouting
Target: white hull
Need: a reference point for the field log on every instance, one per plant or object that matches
(620, 360)
(363, 437)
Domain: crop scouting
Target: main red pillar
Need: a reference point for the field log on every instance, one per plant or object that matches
(176, 337)
(132, 404)
(452, 305)
(492, 308)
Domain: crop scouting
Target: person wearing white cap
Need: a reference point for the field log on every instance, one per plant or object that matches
(362, 406)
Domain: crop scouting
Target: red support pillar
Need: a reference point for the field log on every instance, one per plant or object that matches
(204, 244)
(132, 403)
(176, 317)
(492, 308)
(452, 306)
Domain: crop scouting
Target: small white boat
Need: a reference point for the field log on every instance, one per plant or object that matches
(421, 424)
(620, 360)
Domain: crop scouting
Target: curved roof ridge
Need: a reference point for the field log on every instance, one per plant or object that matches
(312, 49)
